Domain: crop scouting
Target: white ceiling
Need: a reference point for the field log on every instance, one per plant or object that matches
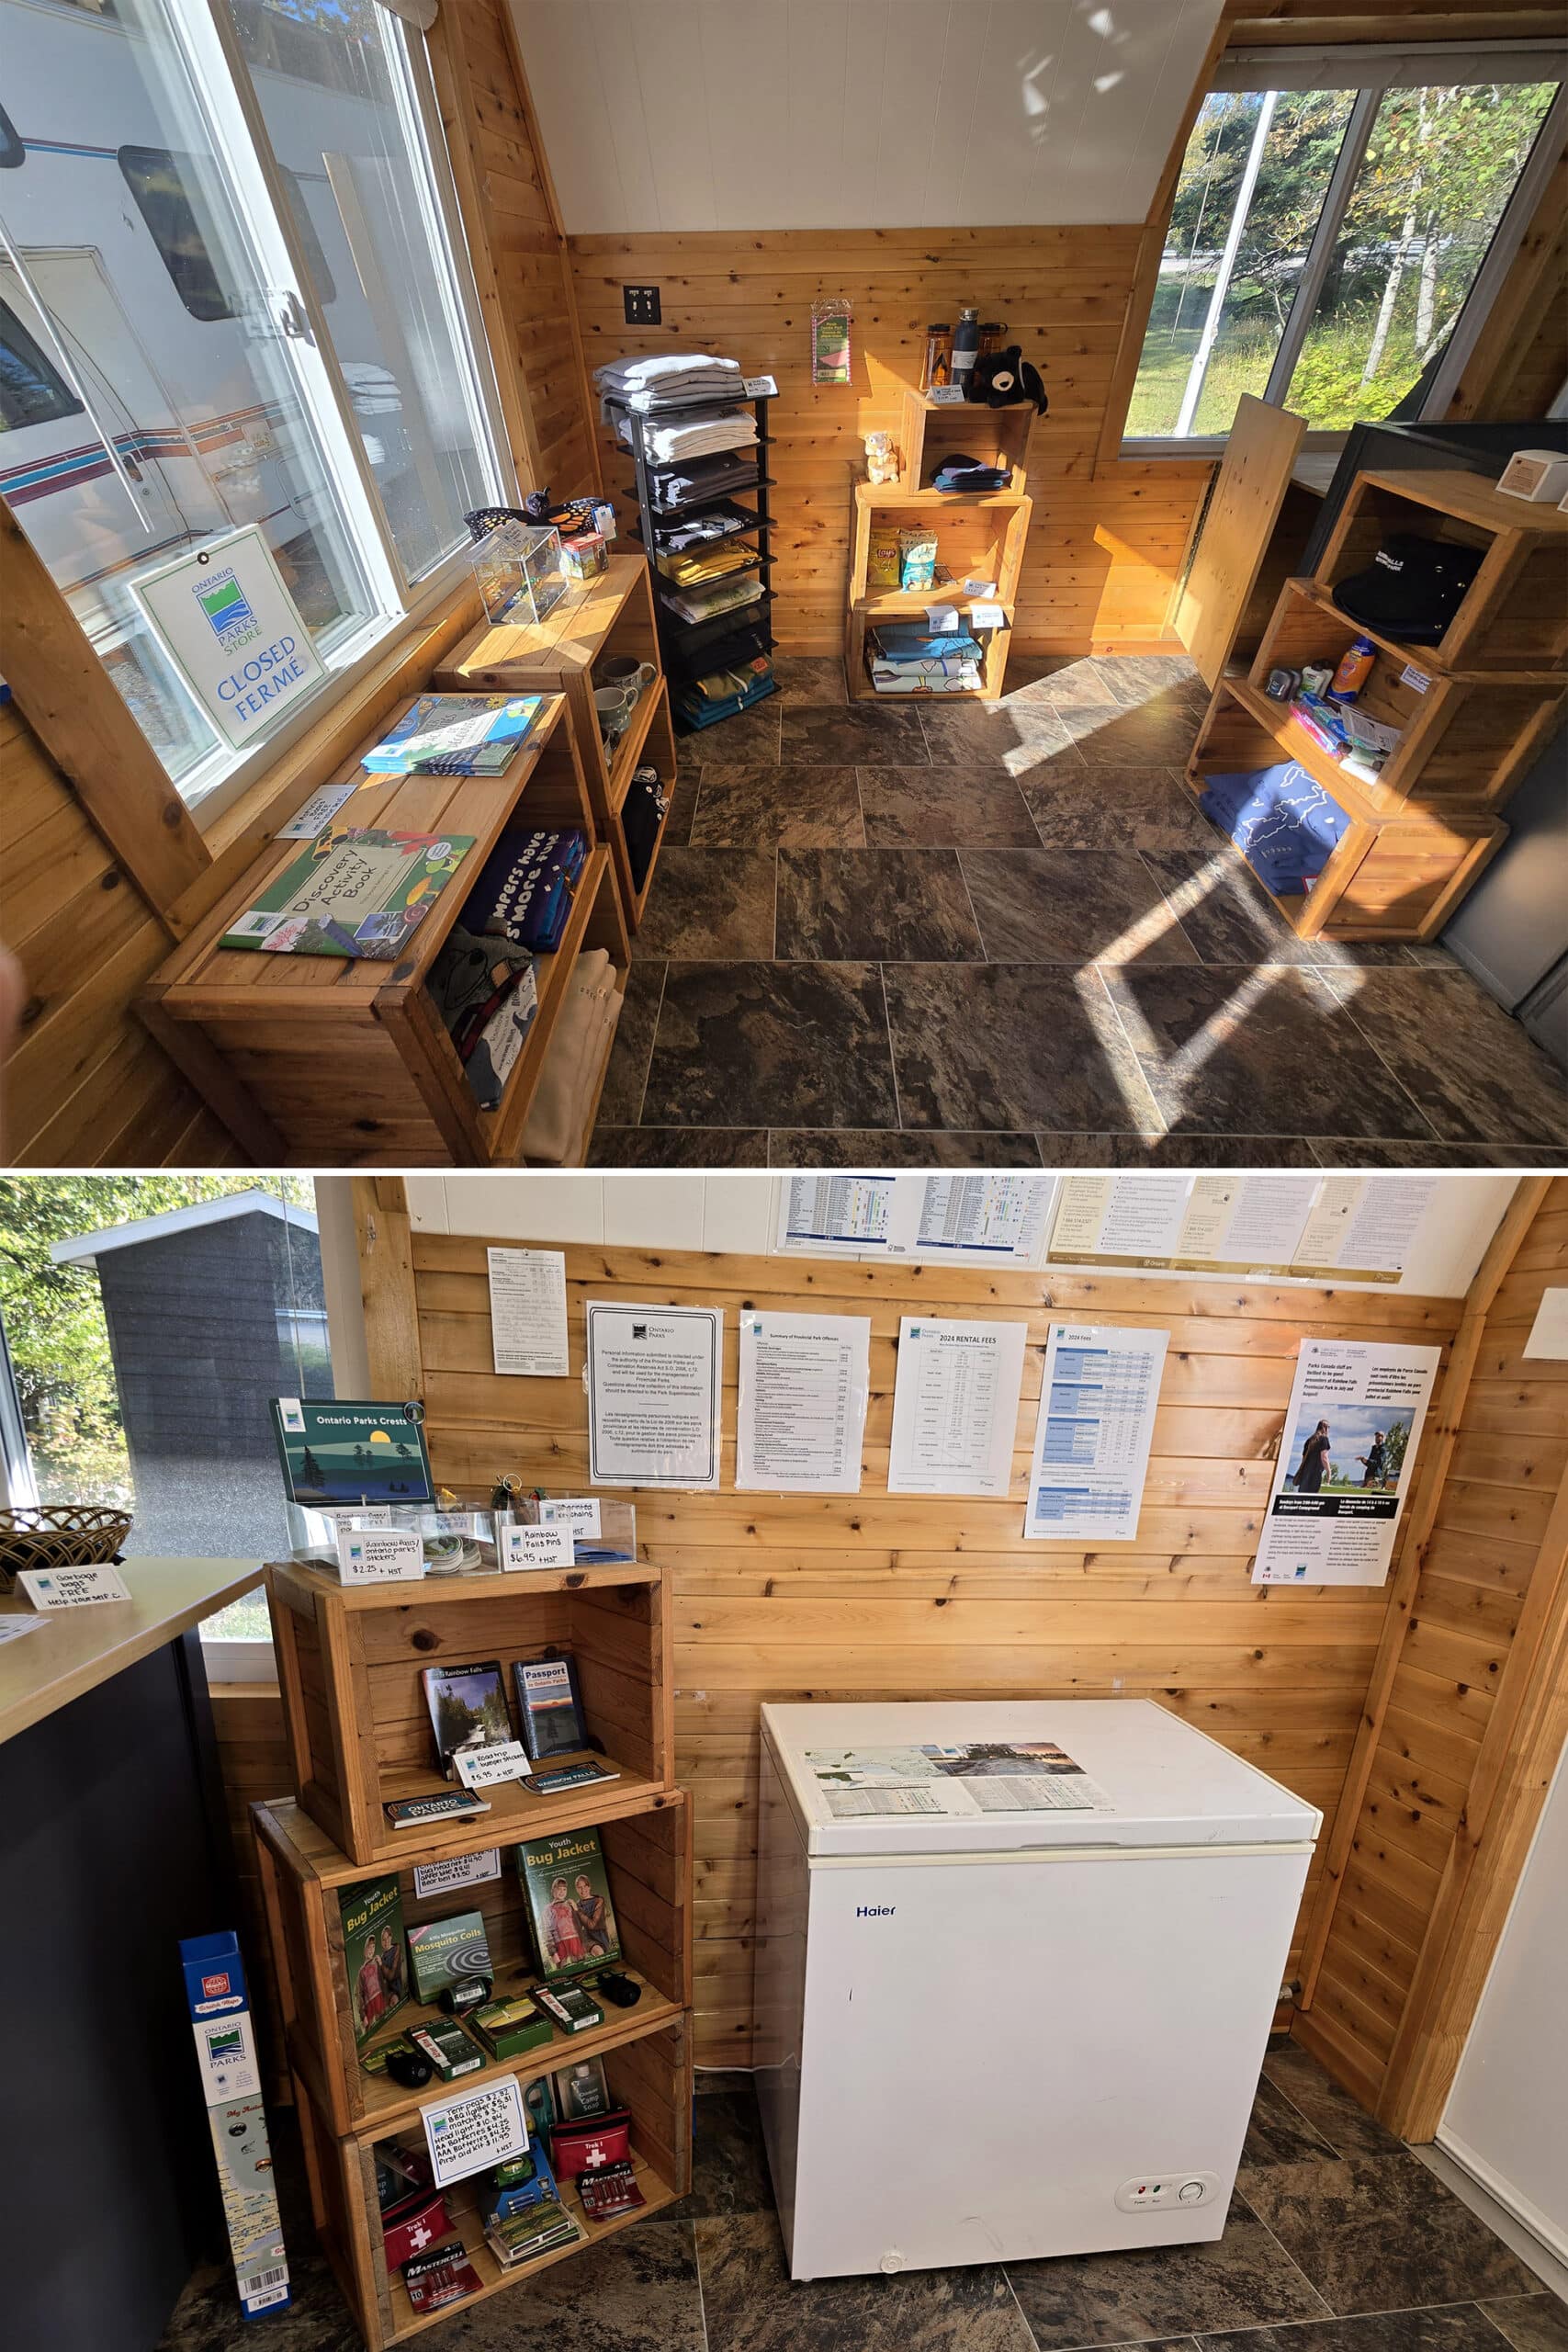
(852, 114)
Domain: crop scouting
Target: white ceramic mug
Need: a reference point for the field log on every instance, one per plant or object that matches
(626, 670)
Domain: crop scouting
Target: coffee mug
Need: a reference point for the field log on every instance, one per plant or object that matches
(626, 670)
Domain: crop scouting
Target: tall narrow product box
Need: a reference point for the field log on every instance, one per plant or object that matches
(219, 2006)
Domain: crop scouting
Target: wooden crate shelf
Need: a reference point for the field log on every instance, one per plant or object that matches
(1513, 621)
(982, 536)
(325, 1062)
(349, 1660)
(647, 1858)
(649, 2075)
(613, 615)
(929, 432)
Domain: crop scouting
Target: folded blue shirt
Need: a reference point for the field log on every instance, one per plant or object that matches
(1280, 818)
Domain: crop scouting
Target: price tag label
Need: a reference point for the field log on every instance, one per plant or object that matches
(580, 1512)
(1410, 676)
(987, 617)
(318, 812)
(378, 1554)
(760, 387)
(463, 1870)
(946, 396)
(70, 1588)
(537, 1547)
(468, 2134)
(482, 1768)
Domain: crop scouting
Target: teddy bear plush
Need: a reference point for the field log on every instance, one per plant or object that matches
(1002, 376)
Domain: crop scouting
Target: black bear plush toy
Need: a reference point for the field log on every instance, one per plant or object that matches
(1002, 376)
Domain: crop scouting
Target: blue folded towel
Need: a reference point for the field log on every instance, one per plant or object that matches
(1280, 818)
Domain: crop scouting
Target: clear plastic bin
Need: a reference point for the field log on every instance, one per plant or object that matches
(521, 572)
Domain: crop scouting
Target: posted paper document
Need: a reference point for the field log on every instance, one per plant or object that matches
(1346, 1461)
(804, 1380)
(955, 1406)
(654, 1379)
(527, 1312)
(1098, 1400)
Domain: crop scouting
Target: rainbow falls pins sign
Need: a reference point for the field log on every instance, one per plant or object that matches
(233, 632)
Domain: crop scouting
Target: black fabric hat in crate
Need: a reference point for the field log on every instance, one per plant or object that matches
(1002, 376)
(1412, 588)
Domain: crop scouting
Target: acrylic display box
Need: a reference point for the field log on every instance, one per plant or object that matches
(349, 1660)
(521, 572)
(305, 1879)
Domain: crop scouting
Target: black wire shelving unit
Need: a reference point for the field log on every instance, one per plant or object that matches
(687, 647)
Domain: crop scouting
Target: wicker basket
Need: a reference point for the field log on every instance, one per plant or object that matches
(59, 1535)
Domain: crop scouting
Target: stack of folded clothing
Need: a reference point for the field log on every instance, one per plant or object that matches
(967, 474)
(719, 694)
(699, 567)
(702, 478)
(673, 379)
(1282, 821)
(699, 436)
(722, 596)
(523, 891)
(485, 992)
(708, 529)
(908, 660)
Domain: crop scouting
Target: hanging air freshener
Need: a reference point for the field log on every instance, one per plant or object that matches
(830, 341)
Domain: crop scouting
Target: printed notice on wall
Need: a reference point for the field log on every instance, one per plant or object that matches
(997, 1219)
(1098, 1400)
(1273, 1221)
(1346, 1461)
(1363, 1225)
(804, 1380)
(468, 2134)
(527, 1312)
(653, 1377)
(955, 1406)
(846, 1216)
(233, 632)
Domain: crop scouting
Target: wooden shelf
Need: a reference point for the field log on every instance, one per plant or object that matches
(892, 493)
(331, 1061)
(613, 614)
(889, 601)
(1362, 801)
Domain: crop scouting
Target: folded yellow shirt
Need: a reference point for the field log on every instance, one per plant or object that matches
(691, 571)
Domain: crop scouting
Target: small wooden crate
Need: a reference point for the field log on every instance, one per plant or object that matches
(979, 536)
(1514, 619)
(314, 1061)
(349, 1659)
(648, 1861)
(612, 616)
(650, 2075)
(929, 432)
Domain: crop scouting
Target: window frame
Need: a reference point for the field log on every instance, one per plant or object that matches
(1372, 70)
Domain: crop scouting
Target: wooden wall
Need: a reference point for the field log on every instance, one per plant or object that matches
(1486, 1575)
(1103, 551)
(84, 1084)
(874, 1595)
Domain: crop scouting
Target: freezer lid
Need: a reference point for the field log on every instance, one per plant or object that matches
(1058, 1774)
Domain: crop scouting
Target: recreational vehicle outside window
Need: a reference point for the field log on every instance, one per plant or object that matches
(231, 250)
(1340, 224)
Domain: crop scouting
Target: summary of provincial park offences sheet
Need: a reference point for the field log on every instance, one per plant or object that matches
(1346, 1461)
(654, 1377)
(955, 1406)
(804, 1380)
(1271, 1221)
(1099, 1395)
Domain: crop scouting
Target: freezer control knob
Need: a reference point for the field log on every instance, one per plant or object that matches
(1190, 2192)
(892, 2259)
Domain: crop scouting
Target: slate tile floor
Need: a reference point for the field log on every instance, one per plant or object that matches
(1006, 936)
(1338, 2240)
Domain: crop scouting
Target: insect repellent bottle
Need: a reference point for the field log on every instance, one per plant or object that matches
(1355, 669)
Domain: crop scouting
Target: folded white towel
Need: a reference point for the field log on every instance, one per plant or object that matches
(641, 375)
(702, 437)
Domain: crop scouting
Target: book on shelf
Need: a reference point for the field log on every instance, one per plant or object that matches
(374, 1953)
(424, 1813)
(454, 735)
(359, 891)
(549, 1703)
(566, 1894)
(468, 1708)
(558, 1779)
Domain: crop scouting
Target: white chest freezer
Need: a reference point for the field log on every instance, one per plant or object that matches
(1016, 1965)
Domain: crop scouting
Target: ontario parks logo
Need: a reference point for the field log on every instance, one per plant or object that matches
(227, 607)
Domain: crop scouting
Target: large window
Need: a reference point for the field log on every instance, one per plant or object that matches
(147, 1321)
(1330, 241)
(234, 291)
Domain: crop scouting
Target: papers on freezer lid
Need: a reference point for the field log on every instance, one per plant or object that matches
(960, 1781)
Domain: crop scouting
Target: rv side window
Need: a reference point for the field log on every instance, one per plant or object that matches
(31, 392)
(156, 179)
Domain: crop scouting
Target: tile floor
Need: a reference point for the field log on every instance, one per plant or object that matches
(1338, 2240)
(1007, 936)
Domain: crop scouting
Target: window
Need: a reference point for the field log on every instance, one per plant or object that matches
(31, 392)
(147, 1322)
(232, 250)
(158, 183)
(1331, 225)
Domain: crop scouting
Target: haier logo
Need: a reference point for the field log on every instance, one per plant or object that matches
(874, 1910)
